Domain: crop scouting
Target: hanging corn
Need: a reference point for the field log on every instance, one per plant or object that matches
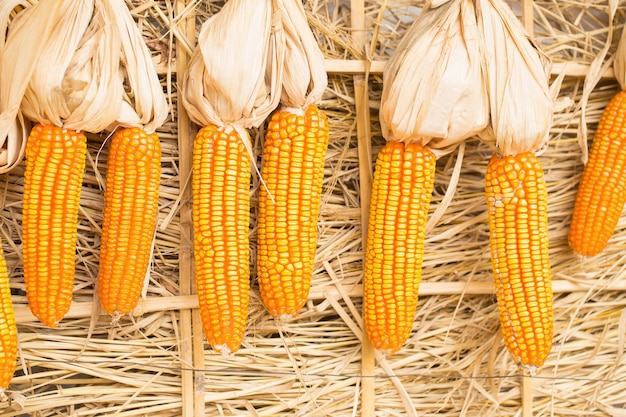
(601, 193)
(74, 84)
(293, 170)
(232, 83)
(133, 173)
(13, 134)
(521, 110)
(65, 99)
(424, 114)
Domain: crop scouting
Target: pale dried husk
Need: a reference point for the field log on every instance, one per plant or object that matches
(433, 85)
(304, 75)
(75, 82)
(234, 75)
(144, 104)
(81, 56)
(14, 128)
(521, 103)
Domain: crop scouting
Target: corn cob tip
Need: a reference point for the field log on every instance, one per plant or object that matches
(530, 370)
(224, 351)
(115, 318)
(386, 352)
(285, 317)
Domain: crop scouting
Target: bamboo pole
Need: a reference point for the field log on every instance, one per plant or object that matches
(426, 289)
(368, 358)
(527, 17)
(191, 405)
(527, 395)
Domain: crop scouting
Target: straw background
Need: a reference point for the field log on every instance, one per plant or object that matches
(156, 361)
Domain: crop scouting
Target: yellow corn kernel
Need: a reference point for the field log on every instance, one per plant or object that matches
(401, 194)
(293, 170)
(55, 166)
(8, 329)
(221, 221)
(131, 200)
(517, 202)
(602, 189)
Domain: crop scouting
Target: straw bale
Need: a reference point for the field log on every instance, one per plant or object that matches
(156, 362)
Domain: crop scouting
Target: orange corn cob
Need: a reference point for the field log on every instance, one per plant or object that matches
(602, 189)
(55, 165)
(221, 218)
(401, 194)
(517, 201)
(293, 171)
(8, 329)
(130, 214)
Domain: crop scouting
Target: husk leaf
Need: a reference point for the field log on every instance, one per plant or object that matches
(521, 103)
(433, 85)
(144, 103)
(76, 82)
(14, 128)
(304, 75)
(234, 74)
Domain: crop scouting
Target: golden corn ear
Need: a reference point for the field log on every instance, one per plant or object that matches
(8, 329)
(131, 200)
(517, 203)
(55, 166)
(602, 189)
(401, 194)
(293, 170)
(221, 220)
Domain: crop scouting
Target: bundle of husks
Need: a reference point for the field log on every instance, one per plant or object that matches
(488, 80)
(75, 67)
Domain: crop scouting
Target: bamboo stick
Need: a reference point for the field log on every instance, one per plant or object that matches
(190, 302)
(189, 400)
(361, 96)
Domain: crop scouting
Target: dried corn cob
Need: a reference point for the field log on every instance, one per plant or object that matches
(55, 164)
(293, 171)
(518, 222)
(8, 329)
(221, 219)
(602, 192)
(130, 214)
(401, 193)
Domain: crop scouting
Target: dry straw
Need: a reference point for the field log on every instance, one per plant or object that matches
(454, 363)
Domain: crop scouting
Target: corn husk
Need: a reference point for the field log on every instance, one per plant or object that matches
(74, 76)
(521, 105)
(304, 75)
(14, 128)
(234, 74)
(144, 104)
(75, 82)
(433, 85)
